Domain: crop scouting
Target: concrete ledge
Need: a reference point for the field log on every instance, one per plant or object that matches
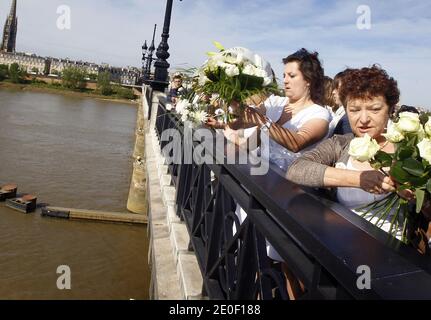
(175, 273)
(165, 276)
(172, 217)
(169, 193)
(179, 239)
(165, 180)
(190, 277)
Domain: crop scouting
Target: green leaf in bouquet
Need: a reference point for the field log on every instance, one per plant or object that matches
(218, 45)
(404, 152)
(383, 158)
(418, 182)
(413, 167)
(250, 82)
(399, 174)
(420, 196)
(424, 118)
(428, 186)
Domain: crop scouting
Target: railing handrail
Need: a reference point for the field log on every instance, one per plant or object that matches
(338, 239)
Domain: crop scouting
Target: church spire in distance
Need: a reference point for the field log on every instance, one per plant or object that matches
(10, 30)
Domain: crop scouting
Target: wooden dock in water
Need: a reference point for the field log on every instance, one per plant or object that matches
(84, 214)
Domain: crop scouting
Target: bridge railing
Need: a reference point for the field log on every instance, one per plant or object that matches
(328, 248)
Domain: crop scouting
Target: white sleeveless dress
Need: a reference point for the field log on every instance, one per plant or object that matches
(278, 154)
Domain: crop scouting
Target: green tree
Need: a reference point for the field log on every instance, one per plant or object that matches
(16, 73)
(92, 76)
(124, 93)
(104, 83)
(4, 71)
(74, 78)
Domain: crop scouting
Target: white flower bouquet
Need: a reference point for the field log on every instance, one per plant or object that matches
(232, 76)
(409, 166)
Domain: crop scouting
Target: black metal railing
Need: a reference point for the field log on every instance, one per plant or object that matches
(321, 242)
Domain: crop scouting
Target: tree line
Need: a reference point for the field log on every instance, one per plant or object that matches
(72, 78)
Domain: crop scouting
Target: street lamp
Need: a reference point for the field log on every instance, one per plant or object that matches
(147, 74)
(144, 53)
(161, 66)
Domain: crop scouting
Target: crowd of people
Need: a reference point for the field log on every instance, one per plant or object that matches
(310, 129)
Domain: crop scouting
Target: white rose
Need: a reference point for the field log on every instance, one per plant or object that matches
(231, 70)
(393, 134)
(233, 58)
(267, 81)
(214, 62)
(428, 127)
(203, 79)
(408, 122)
(425, 149)
(363, 148)
(169, 106)
(250, 70)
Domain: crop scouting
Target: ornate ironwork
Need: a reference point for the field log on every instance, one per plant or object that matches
(321, 242)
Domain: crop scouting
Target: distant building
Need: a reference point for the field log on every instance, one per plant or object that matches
(58, 65)
(34, 64)
(128, 76)
(31, 63)
(10, 30)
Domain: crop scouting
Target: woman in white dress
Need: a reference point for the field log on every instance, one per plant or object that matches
(294, 123)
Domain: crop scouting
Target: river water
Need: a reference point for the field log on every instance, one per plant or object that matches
(70, 152)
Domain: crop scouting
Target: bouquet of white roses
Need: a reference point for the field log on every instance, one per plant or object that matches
(409, 166)
(233, 75)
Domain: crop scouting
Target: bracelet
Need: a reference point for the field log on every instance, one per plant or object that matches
(265, 127)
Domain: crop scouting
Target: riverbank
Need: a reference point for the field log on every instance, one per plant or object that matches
(63, 91)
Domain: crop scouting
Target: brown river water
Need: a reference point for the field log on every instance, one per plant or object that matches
(70, 152)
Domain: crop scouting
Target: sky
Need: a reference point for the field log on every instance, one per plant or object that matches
(396, 34)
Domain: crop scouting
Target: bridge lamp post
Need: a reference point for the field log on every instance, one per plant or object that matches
(161, 66)
(151, 49)
(144, 58)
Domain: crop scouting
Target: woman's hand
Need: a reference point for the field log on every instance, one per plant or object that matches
(376, 182)
(213, 123)
(409, 195)
(253, 117)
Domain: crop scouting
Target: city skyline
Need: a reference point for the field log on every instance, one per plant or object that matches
(113, 32)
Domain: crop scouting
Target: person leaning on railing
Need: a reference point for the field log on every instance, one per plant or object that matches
(175, 90)
(294, 123)
(370, 96)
